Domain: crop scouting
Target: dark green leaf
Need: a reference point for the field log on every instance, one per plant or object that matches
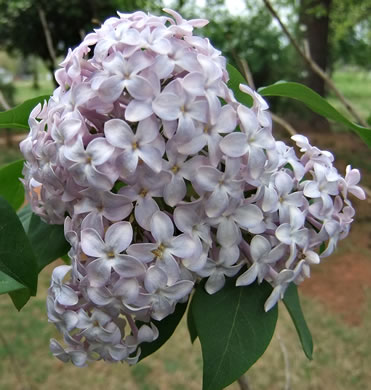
(235, 79)
(47, 241)
(24, 215)
(18, 116)
(8, 284)
(292, 303)
(20, 297)
(166, 328)
(315, 102)
(191, 325)
(11, 188)
(16, 255)
(233, 329)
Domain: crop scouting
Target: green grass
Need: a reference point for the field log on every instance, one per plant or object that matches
(340, 362)
(355, 84)
(24, 90)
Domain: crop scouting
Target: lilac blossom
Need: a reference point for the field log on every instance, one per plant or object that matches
(161, 178)
(108, 253)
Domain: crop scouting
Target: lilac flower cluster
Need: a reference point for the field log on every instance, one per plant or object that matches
(162, 178)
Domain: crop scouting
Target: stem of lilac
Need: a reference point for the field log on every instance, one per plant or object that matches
(132, 325)
(314, 222)
(148, 236)
(243, 383)
(245, 248)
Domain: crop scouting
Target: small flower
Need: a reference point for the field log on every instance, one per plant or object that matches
(108, 253)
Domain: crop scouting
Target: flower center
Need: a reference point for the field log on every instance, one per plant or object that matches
(143, 192)
(159, 251)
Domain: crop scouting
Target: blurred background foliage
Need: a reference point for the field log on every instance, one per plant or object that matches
(342, 31)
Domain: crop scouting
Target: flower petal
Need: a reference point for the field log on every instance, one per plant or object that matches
(118, 236)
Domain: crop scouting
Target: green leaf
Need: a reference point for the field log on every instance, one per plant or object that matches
(191, 325)
(8, 284)
(292, 303)
(315, 102)
(24, 215)
(166, 328)
(11, 188)
(235, 79)
(20, 297)
(233, 329)
(48, 241)
(16, 255)
(18, 116)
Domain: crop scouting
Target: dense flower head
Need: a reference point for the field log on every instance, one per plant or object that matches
(162, 178)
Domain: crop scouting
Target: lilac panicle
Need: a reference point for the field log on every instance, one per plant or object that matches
(136, 155)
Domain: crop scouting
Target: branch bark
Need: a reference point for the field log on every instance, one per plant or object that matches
(246, 72)
(8, 132)
(313, 65)
(242, 381)
(3, 102)
(286, 362)
(48, 36)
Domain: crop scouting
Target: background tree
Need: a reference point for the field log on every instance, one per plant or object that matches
(67, 21)
(315, 16)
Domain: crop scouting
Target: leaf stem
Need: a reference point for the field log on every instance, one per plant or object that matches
(243, 382)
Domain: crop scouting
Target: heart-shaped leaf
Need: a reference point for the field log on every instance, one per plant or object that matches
(8, 284)
(20, 297)
(41, 235)
(11, 187)
(18, 116)
(235, 79)
(234, 330)
(315, 102)
(191, 325)
(16, 255)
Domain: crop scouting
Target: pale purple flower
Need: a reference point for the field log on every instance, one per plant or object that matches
(163, 295)
(217, 270)
(179, 169)
(114, 207)
(136, 146)
(63, 293)
(209, 135)
(123, 74)
(108, 253)
(263, 257)
(251, 141)
(165, 247)
(77, 356)
(146, 188)
(293, 233)
(221, 185)
(175, 103)
(284, 185)
(281, 281)
(85, 163)
(349, 184)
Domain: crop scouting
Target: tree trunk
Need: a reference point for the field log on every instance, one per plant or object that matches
(315, 15)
